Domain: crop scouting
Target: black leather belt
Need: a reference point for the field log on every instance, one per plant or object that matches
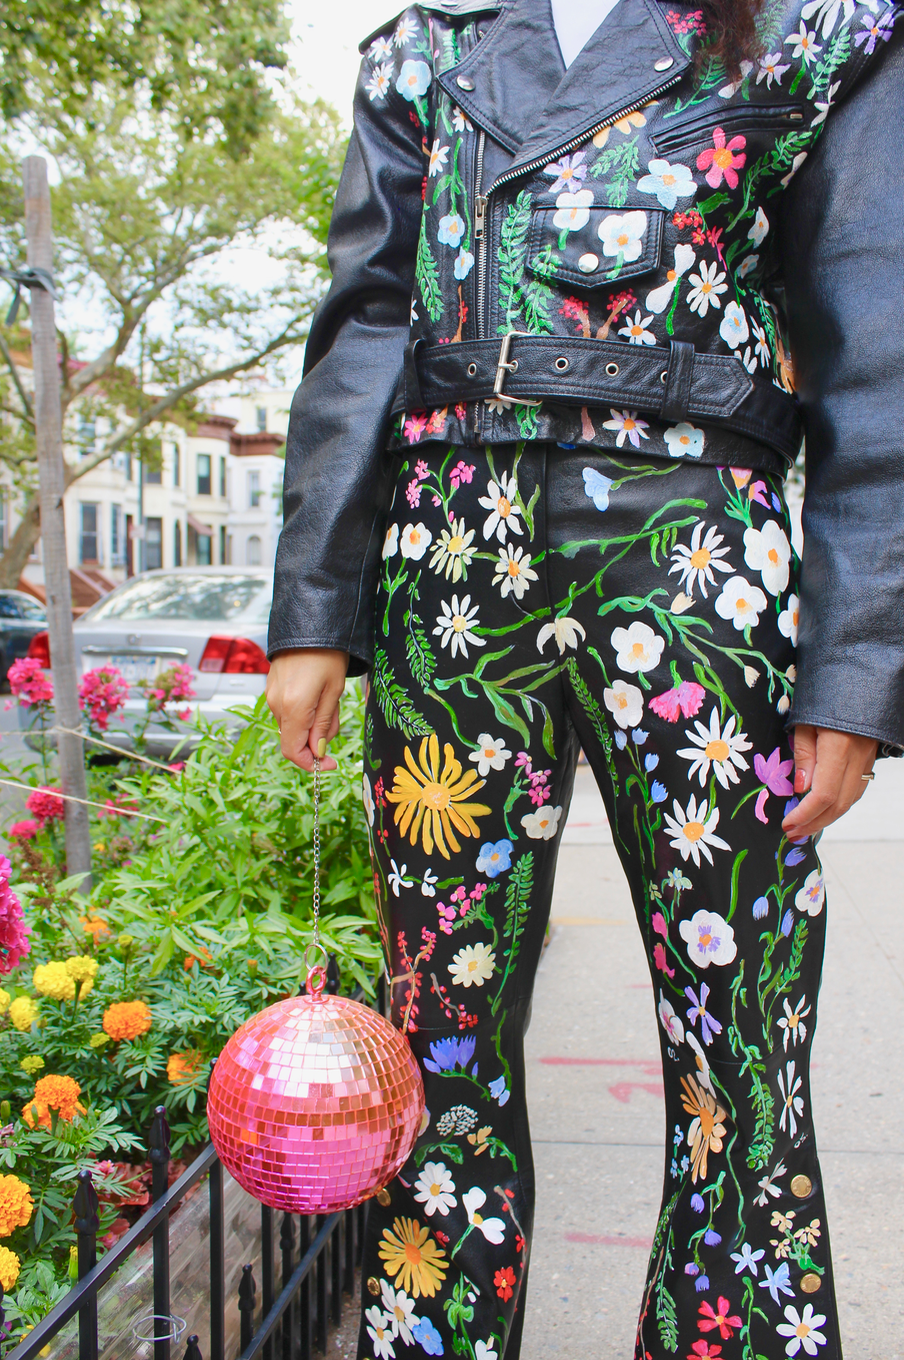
(675, 384)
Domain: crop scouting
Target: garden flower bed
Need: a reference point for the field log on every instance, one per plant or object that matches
(116, 1001)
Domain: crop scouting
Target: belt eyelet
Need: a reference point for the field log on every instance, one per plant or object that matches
(513, 366)
(664, 376)
(472, 370)
(562, 364)
(612, 370)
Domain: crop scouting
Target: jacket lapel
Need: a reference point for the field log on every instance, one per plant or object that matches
(522, 95)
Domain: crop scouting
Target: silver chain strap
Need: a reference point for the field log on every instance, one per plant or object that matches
(316, 972)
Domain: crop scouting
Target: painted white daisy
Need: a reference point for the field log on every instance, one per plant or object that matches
(543, 824)
(803, 1329)
(504, 516)
(637, 647)
(761, 346)
(805, 45)
(435, 1189)
(380, 80)
(670, 1020)
(792, 1022)
(473, 965)
(792, 1104)
(636, 333)
(400, 1309)
(514, 572)
(396, 879)
(390, 542)
(367, 798)
(768, 551)
(415, 540)
(491, 754)
(566, 632)
(493, 1229)
(454, 625)
(707, 286)
(624, 702)
(438, 157)
(628, 425)
(404, 32)
(659, 298)
(693, 832)
(742, 603)
(460, 121)
(697, 562)
(380, 49)
(771, 69)
(573, 210)
(379, 1329)
(718, 748)
(768, 1186)
(789, 619)
(704, 1072)
(622, 235)
(454, 550)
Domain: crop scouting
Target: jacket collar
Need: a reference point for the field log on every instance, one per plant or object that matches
(523, 96)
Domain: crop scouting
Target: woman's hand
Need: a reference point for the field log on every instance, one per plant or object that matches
(828, 769)
(303, 690)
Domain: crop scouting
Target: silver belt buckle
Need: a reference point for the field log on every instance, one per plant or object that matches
(505, 365)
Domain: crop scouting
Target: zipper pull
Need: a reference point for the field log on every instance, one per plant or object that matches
(480, 217)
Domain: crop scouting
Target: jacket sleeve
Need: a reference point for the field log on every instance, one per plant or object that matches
(842, 251)
(338, 478)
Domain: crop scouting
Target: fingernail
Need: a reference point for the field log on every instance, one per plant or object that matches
(801, 780)
(321, 748)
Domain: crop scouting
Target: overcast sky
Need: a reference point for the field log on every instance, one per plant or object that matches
(326, 38)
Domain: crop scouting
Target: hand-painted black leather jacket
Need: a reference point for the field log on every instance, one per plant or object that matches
(630, 254)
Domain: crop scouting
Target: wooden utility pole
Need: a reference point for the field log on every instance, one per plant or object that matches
(49, 433)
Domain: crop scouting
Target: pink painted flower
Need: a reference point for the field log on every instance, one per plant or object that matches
(773, 773)
(685, 700)
(659, 960)
(416, 425)
(13, 930)
(23, 831)
(46, 804)
(413, 493)
(659, 925)
(721, 160)
(420, 469)
(757, 492)
(28, 681)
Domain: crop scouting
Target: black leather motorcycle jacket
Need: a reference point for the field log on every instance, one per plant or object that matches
(636, 253)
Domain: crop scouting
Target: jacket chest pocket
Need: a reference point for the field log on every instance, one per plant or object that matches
(756, 121)
(588, 246)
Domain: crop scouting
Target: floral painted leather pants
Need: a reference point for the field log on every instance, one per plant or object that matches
(535, 600)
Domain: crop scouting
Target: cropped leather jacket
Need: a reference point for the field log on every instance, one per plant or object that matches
(636, 253)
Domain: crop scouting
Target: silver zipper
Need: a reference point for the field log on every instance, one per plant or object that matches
(480, 222)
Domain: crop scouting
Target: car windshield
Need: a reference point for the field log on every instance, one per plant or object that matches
(187, 597)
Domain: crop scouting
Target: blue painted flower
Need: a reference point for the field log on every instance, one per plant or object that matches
(621, 740)
(697, 1204)
(778, 1281)
(426, 1335)
(596, 486)
(498, 1090)
(747, 1259)
(787, 923)
(447, 1054)
(711, 1237)
(795, 856)
(450, 230)
(650, 762)
(414, 79)
(464, 263)
(639, 736)
(494, 858)
(658, 792)
(701, 1284)
(709, 1025)
(760, 908)
(692, 1268)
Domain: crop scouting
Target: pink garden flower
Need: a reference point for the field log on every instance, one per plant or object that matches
(721, 161)
(23, 831)
(29, 683)
(46, 804)
(13, 930)
(102, 693)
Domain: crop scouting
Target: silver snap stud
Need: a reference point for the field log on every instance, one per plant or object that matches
(664, 376)
(587, 263)
(464, 82)
(612, 370)
(472, 370)
(562, 364)
(664, 64)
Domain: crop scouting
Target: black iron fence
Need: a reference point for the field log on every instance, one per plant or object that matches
(298, 1298)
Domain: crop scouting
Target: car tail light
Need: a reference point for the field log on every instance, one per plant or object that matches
(39, 649)
(233, 656)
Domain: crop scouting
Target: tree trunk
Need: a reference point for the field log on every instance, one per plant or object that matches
(21, 545)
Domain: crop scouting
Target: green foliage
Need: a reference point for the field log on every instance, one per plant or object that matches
(512, 255)
(395, 703)
(621, 164)
(426, 272)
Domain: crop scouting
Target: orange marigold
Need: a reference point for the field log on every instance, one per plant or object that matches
(16, 1204)
(95, 926)
(181, 1067)
(127, 1019)
(206, 959)
(53, 1093)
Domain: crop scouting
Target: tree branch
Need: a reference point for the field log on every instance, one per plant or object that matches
(11, 365)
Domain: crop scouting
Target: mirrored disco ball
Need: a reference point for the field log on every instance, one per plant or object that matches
(315, 1103)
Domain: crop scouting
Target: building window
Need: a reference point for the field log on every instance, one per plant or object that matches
(153, 544)
(177, 544)
(223, 478)
(204, 474)
(88, 536)
(177, 469)
(204, 542)
(87, 433)
(153, 477)
(253, 551)
(261, 414)
(127, 466)
(254, 490)
(117, 542)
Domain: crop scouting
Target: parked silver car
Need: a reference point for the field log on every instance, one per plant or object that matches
(213, 619)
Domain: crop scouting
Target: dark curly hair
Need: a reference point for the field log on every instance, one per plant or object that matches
(731, 27)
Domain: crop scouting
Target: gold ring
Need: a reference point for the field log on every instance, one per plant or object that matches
(869, 776)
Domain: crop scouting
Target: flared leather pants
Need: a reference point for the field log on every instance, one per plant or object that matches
(536, 600)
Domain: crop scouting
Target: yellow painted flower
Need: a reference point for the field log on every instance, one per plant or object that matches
(31, 1063)
(23, 1012)
(707, 1131)
(82, 967)
(53, 980)
(9, 1268)
(409, 1253)
(5, 999)
(430, 800)
(623, 125)
(16, 1204)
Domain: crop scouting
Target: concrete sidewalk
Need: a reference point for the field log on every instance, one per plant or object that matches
(596, 1102)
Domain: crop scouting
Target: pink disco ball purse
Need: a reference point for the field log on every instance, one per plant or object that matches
(315, 1103)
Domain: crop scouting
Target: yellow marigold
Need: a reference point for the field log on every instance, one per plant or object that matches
(181, 1067)
(86, 987)
(5, 999)
(31, 1063)
(52, 979)
(16, 1204)
(81, 967)
(23, 1012)
(96, 927)
(9, 1268)
(127, 1019)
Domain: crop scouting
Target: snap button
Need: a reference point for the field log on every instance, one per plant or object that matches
(663, 63)
(373, 1286)
(464, 82)
(810, 1282)
(472, 370)
(664, 376)
(612, 369)
(801, 1186)
(587, 263)
(562, 364)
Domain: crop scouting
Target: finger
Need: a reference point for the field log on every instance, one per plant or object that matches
(325, 726)
(828, 771)
(805, 742)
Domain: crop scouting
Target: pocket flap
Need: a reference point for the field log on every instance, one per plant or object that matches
(590, 245)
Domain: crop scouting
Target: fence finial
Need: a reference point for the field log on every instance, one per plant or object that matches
(192, 1349)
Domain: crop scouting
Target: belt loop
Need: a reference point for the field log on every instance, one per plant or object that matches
(677, 380)
(414, 399)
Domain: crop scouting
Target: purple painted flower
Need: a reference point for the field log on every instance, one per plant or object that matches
(447, 1054)
(760, 908)
(697, 1204)
(692, 1268)
(711, 1237)
(795, 856)
(787, 923)
(874, 29)
(773, 774)
(701, 1284)
(709, 1026)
